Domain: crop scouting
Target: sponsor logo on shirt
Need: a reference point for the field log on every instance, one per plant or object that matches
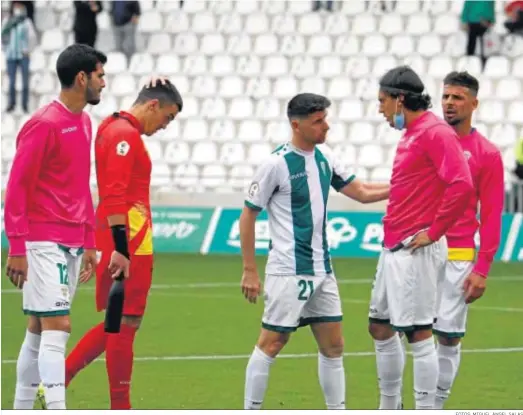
(254, 189)
(298, 175)
(122, 148)
(69, 129)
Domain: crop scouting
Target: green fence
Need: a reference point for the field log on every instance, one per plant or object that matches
(350, 234)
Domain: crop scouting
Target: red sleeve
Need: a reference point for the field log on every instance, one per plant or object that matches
(445, 152)
(491, 199)
(120, 153)
(33, 143)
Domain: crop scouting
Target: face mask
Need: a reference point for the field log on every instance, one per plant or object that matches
(399, 119)
(18, 12)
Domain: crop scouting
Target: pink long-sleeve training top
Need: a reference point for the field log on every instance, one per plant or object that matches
(430, 184)
(486, 167)
(48, 197)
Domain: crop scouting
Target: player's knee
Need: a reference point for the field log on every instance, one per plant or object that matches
(334, 349)
(418, 335)
(380, 331)
(448, 341)
(272, 343)
(132, 321)
(58, 323)
(33, 325)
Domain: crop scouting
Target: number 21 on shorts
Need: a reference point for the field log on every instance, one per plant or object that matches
(306, 289)
(64, 274)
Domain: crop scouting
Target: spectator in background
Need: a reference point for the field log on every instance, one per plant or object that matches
(85, 27)
(125, 16)
(29, 8)
(477, 17)
(514, 12)
(18, 39)
(317, 5)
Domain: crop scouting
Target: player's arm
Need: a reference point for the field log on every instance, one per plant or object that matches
(33, 142)
(443, 149)
(263, 186)
(120, 154)
(345, 182)
(491, 199)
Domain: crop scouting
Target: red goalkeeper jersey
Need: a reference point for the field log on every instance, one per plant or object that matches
(123, 172)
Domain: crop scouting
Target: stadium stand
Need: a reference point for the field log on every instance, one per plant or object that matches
(237, 63)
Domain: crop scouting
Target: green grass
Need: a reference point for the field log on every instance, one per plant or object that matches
(189, 321)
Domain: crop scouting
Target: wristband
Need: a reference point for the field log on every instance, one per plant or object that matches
(120, 240)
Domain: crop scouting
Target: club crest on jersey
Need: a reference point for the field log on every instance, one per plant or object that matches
(254, 189)
(122, 148)
(467, 154)
(322, 165)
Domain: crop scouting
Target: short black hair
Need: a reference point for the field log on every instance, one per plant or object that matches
(462, 79)
(75, 59)
(303, 105)
(165, 94)
(402, 80)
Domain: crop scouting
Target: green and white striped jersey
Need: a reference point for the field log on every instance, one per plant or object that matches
(293, 185)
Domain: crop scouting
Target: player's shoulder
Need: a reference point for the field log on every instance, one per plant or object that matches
(118, 128)
(487, 147)
(323, 150)
(277, 156)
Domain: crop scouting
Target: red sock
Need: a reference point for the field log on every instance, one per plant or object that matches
(119, 362)
(90, 346)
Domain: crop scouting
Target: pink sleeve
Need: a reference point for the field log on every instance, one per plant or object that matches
(445, 152)
(491, 199)
(33, 142)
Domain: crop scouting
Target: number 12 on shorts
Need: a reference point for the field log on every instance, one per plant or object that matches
(64, 274)
(304, 287)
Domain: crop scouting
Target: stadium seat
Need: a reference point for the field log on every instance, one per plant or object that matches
(177, 152)
(406, 8)
(195, 130)
(509, 89)
(278, 132)
(213, 176)
(391, 24)
(351, 110)
(258, 87)
(517, 68)
(232, 154)
(283, 24)
(374, 45)
(357, 67)
(203, 86)
(497, 67)
(319, 45)
(515, 111)
(258, 152)
(285, 88)
(230, 23)
(364, 25)
(303, 67)
(381, 175)
(471, 64)
(203, 23)
(168, 65)
(429, 45)
(149, 21)
(401, 46)
(116, 63)
(310, 23)
(314, 85)
(123, 84)
(268, 109)
(256, 24)
(161, 175)
(8, 148)
(418, 24)
(339, 87)
(329, 66)
(361, 133)
(154, 148)
(240, 177)
(275, 66)
(250, 130)
(503, 135)
(212, 44)
(346, 46)
(240, 108)
(440, 66)
(336, 24)
(266, 44)
(204, 152)
(8, 125)
(230, 87)
(52, 40)
(491, 112)
(184, 43)
(213, 108)
(239, 45)
(45, 20)
(222, 131)
(446, 24)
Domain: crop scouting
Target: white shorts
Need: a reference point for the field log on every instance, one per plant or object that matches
(52, 278)
(452, 309)
(404, 293)
(297, 301)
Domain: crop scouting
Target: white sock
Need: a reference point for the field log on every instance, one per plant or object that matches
(332, 381)
(425, 373)
(390, 361)
(51, 363)
(27, 375)
(256, 379)
(448, 358)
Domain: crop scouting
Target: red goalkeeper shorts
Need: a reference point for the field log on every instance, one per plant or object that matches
(136, 287)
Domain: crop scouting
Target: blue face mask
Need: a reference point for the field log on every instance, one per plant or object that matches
(399, 119)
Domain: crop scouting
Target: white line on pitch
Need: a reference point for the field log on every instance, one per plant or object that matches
(283, 356)
(223, 284)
